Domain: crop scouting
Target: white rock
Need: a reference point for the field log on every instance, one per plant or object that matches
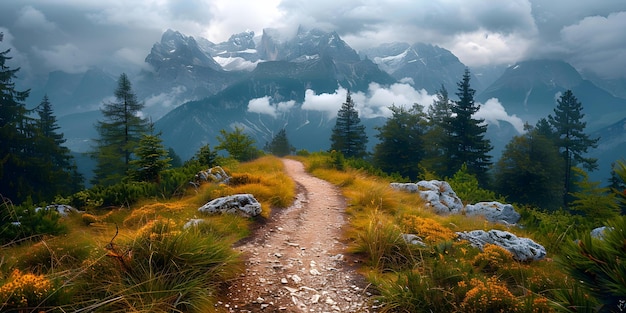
(194, 222)
(413, 239)
(494, 211)
(296, 279)
(315, 298)
(438, 195)
(241, 204)
(523, 249)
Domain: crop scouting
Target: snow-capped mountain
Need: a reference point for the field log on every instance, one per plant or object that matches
(422, 65)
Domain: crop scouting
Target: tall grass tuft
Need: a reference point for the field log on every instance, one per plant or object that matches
(383, 245)
(165, 269)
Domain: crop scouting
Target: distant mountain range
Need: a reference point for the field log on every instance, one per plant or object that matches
(193, 88)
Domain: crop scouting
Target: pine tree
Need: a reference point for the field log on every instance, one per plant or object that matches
(176, 160)
(119, 132)
(438, 115)
(348, 136)
(569, 127)
(206, 157)
(280, 145)
(151, 158)
(401, 146)
(16, 131)
(62, 173)
(466, 143)
(529, 171)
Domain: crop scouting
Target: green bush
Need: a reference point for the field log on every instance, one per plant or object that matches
(598, 263)
(25, 221)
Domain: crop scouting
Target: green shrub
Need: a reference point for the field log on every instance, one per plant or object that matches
(598, 263)
(25, 221)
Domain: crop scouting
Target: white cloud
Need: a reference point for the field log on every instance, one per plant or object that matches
(597, 39)
(67, 57)
(492, 112)
(264, 106)
(32, 18)
(483, 48)
(373, 103)
(325, 102)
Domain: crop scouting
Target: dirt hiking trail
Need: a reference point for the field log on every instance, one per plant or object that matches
(296, 261)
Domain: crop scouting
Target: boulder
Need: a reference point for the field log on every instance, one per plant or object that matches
(63, 209)
(413, 239)
(241, 204)
(437, 194)
(523, 249)
(494, 212)
(194, 222)
(599, 232)
(213, 175)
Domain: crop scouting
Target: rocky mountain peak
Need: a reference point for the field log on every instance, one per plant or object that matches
(177, 50)
(306, 44)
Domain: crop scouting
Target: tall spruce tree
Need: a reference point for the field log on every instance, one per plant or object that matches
(62, 173)
(466, 142)
(16, 131)
(401, 146)
(570, 137)
(348, 135)
(438, 115)
(280, 145)
(119, 132)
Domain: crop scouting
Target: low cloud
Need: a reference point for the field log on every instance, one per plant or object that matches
(375, 102)
(493, 112)
(265, 106)
(32, 18)
(67, 57)
(158, 105)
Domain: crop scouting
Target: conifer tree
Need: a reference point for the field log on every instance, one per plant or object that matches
(151, 158)
(16, 131)
(466, 143)
(570, 137)
(63, 176)
(438, 115)
(348, 135)
(119, 132)
(401, 146)
(206, 157)
(280, 145)
(529, 171)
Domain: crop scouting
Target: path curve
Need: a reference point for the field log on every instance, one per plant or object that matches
(297, 262)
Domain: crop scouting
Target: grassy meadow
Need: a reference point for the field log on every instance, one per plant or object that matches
(142, 259)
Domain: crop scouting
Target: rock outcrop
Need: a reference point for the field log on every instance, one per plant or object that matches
(523, 249)
(63, 209)
(599, 232)
(240, 204)
(213, 175)
(494, 212)
(437, 194)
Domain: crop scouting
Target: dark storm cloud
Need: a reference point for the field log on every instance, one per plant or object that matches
(72, 35)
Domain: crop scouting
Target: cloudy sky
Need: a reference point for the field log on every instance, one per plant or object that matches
(72, 35)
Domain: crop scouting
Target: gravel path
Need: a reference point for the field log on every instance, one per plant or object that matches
(297, 262)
